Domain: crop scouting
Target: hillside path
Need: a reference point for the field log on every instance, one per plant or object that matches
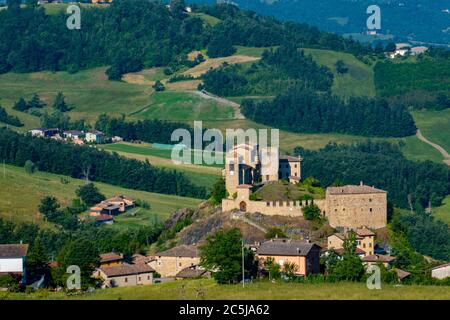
(442, 151)
(234, 105)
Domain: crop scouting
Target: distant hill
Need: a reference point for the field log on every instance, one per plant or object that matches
(405, 19)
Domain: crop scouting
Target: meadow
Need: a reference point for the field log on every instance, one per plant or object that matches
(263, 290)
(32, 188)
(435, 126)
(443, 212)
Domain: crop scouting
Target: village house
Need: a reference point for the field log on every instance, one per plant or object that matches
(418, 50)
(401, 49)
(94, 136)
(376, 259)
(110, 259)
(303, 254)
(441, 272)
(365, 240)
(12, 260)
(112, 206)
(350, 206)
(170, 262)
(73, 134)
(125, 275)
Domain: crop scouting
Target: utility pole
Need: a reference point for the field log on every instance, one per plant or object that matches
(243, 268)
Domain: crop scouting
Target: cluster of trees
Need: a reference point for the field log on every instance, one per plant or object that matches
(23, 105)
(146, 130)
(89, 163)
(277, 70)
(130, 34)
(420, 84)
(409, 184)
(79, 246)
(9, 119)
(303, 110)
(62, 121)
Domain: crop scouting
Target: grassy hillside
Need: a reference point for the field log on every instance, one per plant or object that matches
(435, 126)
(184, 106)
(32, 188)
(358, 81)
(443, 212)
(417, 150)
(255, 291)
(88, 91)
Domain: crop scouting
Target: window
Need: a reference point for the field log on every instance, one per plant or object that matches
(267, 177)
(295, 166)
(370, 244)
(370, 209)
(295, 174)
(139, 278)
(364, 245)
(126, 279)
(179, 264)
(148, 277)
(231, 167)
(267, 204)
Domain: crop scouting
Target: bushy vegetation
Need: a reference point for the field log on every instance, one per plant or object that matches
(303, 110)
(95, 165)
(409, 184)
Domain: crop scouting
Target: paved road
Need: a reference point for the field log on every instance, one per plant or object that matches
(444, 152)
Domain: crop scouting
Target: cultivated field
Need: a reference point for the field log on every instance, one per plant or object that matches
(32, 188)
(187, 289)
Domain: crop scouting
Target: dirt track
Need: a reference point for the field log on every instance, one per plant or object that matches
(444, 152)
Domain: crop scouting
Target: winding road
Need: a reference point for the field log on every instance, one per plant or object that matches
(442, 151)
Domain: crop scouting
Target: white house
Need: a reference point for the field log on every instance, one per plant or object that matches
(441, 272)
(73, 134)
(12, 260)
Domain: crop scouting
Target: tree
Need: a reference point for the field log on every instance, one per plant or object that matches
(21, 105)
(49, 206)
(36, 102)
(82, 253)
(177, 7)
(220, 46)
(273, 268)
(218, 192)
(221, 254)
(275, 232)
(37, 262)
(90, 194)
(158, 86)
(290, 270)
(59, 103)
(350, 266)
(311, 212)
(341, 67)
(30, 167)
(390, 47)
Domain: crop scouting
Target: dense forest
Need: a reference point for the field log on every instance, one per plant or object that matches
(409, 184)
(277, 70)
(422, 84)
(131, 34)
(303, 110)
(89, 163)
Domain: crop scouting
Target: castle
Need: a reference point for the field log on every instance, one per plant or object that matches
(350, 206)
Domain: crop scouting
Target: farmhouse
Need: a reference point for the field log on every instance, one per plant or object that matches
(441, 272)
(94, 136)
(44, 133)
(365, 240)
(12, 260)
(112, 206)
(378, 258)
(169, 263)
(303, 254)
(351, 206)
(110, 259)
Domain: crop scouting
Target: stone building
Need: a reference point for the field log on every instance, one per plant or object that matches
(441, 272)
(350, 206)
(125, 275)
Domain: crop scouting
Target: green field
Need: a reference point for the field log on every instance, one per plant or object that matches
(187, 289)
(435, 126)
(88, 91)
(417, 150)
(21, 193)
(55, 8)
(358, 81)
(443, 212)
(184, 106)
